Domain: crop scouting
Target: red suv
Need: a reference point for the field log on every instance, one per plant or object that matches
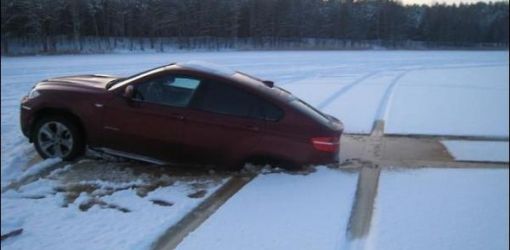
(179, 113)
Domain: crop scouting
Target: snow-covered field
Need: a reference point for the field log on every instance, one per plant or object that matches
(281, 211)
(494, 151)
(414, 209)
(461, 93)
(415, 92)
(441, 209)
(451, 100)
(100, 206)
(424, 92)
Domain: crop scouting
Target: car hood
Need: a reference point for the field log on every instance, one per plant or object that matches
(80, 81)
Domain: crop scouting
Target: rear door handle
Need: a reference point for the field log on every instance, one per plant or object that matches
(252, 127)
(177, 116)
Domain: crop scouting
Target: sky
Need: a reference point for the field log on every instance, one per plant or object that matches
(430, 2)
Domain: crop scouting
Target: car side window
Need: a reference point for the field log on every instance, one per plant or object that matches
(270, 112)
(167, 90)
(226, 99)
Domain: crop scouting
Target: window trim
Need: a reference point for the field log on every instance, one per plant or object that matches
(176, 75)
(257, 96)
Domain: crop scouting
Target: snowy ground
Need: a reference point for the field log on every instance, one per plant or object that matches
(281, 211)
(100, 206)
(451, 100)
(441, 209)
(414, 209)
(494, 151)
(415, 92)
(106, 205)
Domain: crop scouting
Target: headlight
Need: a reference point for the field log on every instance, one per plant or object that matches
(33, 94)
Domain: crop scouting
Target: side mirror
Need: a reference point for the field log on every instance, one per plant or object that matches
(129, 92)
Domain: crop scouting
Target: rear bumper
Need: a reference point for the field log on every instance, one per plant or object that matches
(323, 158)
(317, 156)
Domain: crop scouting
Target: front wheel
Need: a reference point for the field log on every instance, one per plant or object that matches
(57, 137)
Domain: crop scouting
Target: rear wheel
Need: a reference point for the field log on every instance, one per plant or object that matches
(58, 137)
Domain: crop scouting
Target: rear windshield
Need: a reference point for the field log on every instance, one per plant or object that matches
(310, 111)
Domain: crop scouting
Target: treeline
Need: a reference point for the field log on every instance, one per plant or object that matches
(363, 20)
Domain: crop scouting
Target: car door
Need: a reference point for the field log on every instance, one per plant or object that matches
(152, 123)
(220, 126)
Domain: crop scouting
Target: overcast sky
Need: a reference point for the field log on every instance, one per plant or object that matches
(445, 1)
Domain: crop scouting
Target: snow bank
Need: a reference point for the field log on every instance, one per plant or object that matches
(492, 151)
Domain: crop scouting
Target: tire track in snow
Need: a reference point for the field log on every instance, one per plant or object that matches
(345, 89)
(466, 66)
(380, 114)
(383, 109)
(176, 233)
(363, 205)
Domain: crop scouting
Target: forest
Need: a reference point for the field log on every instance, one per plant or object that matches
(57, 25)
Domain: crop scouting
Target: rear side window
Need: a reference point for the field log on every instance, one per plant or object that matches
(223, 98)
(269, 111)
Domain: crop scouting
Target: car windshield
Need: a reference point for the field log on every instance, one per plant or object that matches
(115, 81)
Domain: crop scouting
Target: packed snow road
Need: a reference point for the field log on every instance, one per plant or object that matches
(381, 96)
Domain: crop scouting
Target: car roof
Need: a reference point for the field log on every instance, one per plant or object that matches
(207, 67)
(237, 76)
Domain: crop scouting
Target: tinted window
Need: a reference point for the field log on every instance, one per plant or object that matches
(270, 112)
(310, 111)
(226, 99)
(168, 90)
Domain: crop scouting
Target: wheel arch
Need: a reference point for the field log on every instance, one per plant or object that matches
(45, 112)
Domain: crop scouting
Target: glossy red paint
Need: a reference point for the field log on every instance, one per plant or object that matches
(280, 126)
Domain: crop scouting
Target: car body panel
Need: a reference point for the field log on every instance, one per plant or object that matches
(142, 128)
(182, 134)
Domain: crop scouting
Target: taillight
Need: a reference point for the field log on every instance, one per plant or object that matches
(326, 144)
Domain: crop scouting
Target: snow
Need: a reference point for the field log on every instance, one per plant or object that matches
(47, 224)
(490, 151)
(414, 92)
(441, 92)
(429, 208)
(281, 211)
(16, 175)
(471, 101)
(441, 209)
(358, 107)
(322, 88)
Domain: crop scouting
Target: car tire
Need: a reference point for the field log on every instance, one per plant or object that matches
(58, 137)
